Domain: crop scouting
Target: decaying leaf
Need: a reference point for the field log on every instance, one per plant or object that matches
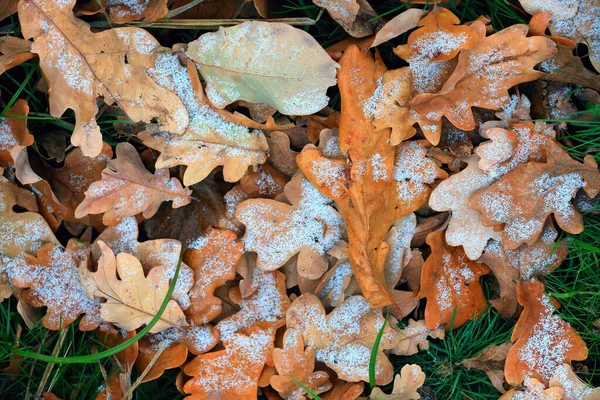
(533, 390)
(134, 299)
(542, 341)
(123, 11)
(127, 188)
(344, 338)
(173, 356)
(451, 284)
(574, 387)
(296, 362)
(414, 338)
(80, 65)
(14, 50)
(266, 63)
(14, 132)
(8, 8)
(355, 16)
(491, 361)
(525, 197)
(405, 386)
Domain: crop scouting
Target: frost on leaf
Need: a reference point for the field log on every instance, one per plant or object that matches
(406, 383)
(414, 338)
(52, 280)
(524, 198)
(134, 299)
(276, 231)
(123, 11)
(232, 373)
(127, 188)
(525, 262)
(533, 389)
(481, 78)
(80, 66)
(209, 140)
(14, 132)
(542, 341)
(355, 16)
(451, 284)
(465, 228)
(574, 387)
(213, 258)
(261, 62)
(344, 338)
(294, 361)
(333, 286)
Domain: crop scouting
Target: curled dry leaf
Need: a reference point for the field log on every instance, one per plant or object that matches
(414, 337)
(134, 299)
(280, 154)
(14, 132)
(14, 50)
(355, 16)
(568, 68)
(406, 383)
(574, 387)
(213, 258)
(232, 373)
(465, 228)
(451, 284)
(401, 23)
(292, 73)
(127, 188)
(533, 390)
(123, 11)
(491, 361)
(344, 338)
(525, 197)
(80, 66)
(296, 362)
(209, 140)
(277, 231)
(542, 341)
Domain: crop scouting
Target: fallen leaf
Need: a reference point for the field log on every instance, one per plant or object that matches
(123, 11)
(533, 390)
(292, 76)
(491, 361)
(8, 8)
(574, 387)
(451, 284)
(80, 65)
(127, 188)
(542, 341)
(413, 338)
(132, 302)
(344, 338)
(401, 23)
(525, 197)
(14, 51)
(14, 132)
(355, 16)
(405, 386)
(280, 153)
(566, 67)
(344, 390)
(173, 356)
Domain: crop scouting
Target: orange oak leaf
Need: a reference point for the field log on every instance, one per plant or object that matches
(8, 8)
(213, 258)
(414, 337)
(209, 141)
(481, 78)
(533, 390)
(332, 287)
(282, 157)
(134, 299)
(276, 231)
(232, 373)
(13, 50)
(173, 356)
(574, 387)
(525, 197)
(344, 390)
(127, 188)
(123, 11)
(542, 341)
(450, 283)
(406, 383)
(52, 280)
(367, 195)
(294, 361)
(510, 266)
(264, 182)
(14, 132)
(344, 339)
(120, 378)
(80, 66)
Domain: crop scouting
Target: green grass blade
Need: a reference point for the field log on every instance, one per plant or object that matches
(373, 359)
(306, 389)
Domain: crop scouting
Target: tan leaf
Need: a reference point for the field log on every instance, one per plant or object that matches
(344, 338)
(566, 67)
(344, 390)
(293, 361)
(127, 188)
(465, 228)
(209, 141)
(533, 390)
(405, 386)
(491, 361)
(14, 50)
(80, 65)
(277, 231)
(401, 23)
(355, 16)
(14, 132)
(8, 8)
(123, 11)
(264, 182)
(413, 338)
(574, 387)
(524, 198)
(292, 76)
(331, 289)
(280, 154)
(134, 299)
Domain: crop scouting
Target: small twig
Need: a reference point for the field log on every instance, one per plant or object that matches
(202, 23)
(140, 378)
(50, 366)
(182, 9)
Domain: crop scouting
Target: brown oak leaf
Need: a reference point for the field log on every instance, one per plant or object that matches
(414, 337)
(14, 132)
(406, 383)
(127, 188)
(80, 66)
(123, 11)
(173, 356)
(542, 341)
(533, 389)
(525, 197)
(13, 50)
(574, 387)
(355, 16)
(491, 361)
(451, 284)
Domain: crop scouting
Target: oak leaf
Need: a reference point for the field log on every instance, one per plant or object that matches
(465, 228)
(123, 11)
(280, 153)
(120, 378)
(405, 386)
(333, 285)
(525, 197)
(491, 361)
(533, 390)
(344, 390)
(127, 188)
(173, 356)
(542, 341)
(14, 132)
(355, 16)
(566, 67)
(209, 140)
(293, 361)
(413, 338)
(134, 299)
(261, 62)
(344, 338)
(276, 231)
(14, 51)
(232, 373)
(80, 66)
(451, 284)
(8, 8)
(574, 387)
